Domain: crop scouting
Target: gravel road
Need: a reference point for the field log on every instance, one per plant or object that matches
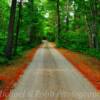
(51, 77)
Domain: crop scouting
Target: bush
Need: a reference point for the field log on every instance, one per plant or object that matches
(77, 42)
(3, 60)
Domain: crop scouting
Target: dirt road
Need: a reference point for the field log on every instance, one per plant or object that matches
(51, 77)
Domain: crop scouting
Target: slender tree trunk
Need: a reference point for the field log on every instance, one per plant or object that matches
(58, 20)
(31, 35)
(67, 18)
(31, 26)
(67, 23)
(18, 26)
(93, 36)
(96, 45)
(10, 37)
(89, 33)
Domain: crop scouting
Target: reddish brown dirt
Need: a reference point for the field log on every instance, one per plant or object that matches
(10, 73)
(88, 66)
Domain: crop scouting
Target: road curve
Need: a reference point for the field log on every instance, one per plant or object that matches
(51, 77)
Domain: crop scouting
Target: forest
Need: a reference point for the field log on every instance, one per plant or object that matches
(49, 49)
(72, 24)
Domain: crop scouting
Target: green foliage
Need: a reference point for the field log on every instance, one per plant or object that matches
(92, 52)
(71, 38)
(3, 60)
(82, 23)
(77, 42)
(39, 18)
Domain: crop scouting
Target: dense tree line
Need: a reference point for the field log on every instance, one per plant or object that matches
(21, 19)
(73, 24)
(78, 24)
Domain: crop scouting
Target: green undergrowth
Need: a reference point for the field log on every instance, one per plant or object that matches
(21, 50)
(77, 42)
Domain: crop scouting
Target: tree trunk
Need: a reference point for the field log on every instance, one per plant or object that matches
(31, 35)
(67, 14)
(58, 20)
(10, 37)
(93, 25)
(31, 26)
(18, 26)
